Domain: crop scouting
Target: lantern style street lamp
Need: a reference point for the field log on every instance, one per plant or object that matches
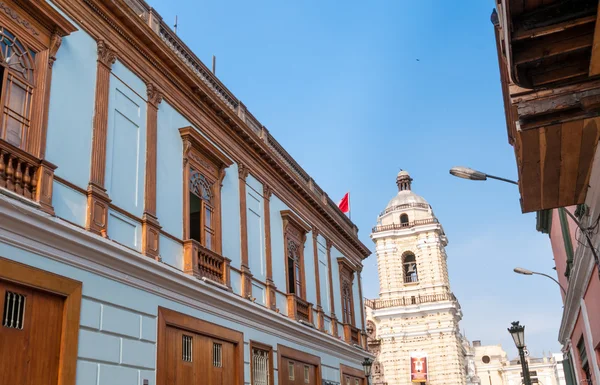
(518, 334)
(469, 173)
(367, 364)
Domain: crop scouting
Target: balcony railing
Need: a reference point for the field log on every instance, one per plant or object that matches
(26, 175)
(202, 262)
(407, 301)
(401, 226)
(411, 279)
(299, 309)
(405, 206)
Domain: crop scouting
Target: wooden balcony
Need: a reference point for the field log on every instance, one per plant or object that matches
(26, 176)
(204, 263)
(299, 309)
(352, 335)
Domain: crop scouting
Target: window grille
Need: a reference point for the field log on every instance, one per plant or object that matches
(217, 355)
(260, 367)
(291, 370)
(14, 310)
(306, 374)
(186, 347)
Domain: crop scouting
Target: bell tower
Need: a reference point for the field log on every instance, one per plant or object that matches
(413, 325)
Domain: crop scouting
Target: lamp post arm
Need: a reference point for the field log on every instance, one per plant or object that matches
(502, 179)
(552, 278)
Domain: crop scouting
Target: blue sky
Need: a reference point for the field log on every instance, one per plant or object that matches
(339, 85)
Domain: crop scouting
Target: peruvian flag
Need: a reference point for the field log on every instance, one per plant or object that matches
(344, 204)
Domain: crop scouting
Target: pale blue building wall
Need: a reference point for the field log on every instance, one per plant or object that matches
(69, 204)
(126, 141)
(324, 275)
(356, 298)
(335, 277)
(230, 217)
(255, 228)
(277, 247)
(169, 169)
(118, 334)
(71, 110)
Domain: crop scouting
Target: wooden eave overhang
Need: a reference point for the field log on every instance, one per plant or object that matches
(145, 25)
(551, 91)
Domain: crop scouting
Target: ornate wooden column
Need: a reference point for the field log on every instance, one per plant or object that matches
(271, 288)
(98, 200)
(320, 324)
(331, 298)
(150, 225)
(245, 268)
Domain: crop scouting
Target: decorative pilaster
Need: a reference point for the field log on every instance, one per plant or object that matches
(362, 309)
(150, 225)
(320, 320)
(271, 288)
(98, 200)
(245, 268)
(40, 148)
(334, 324)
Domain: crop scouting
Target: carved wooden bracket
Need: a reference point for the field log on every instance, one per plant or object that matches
(106, 56)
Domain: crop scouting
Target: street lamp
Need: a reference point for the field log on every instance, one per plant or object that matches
(518, 334)
(469, 173)
(520, 270)
(367, 364)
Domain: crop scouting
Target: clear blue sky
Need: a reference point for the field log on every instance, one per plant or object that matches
(339, 85)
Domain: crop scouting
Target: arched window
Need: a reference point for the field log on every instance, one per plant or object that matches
(409, 264)
(404, 220)
(17, 73)
(202, 208)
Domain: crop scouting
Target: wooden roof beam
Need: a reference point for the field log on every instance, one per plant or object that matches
(595, 59)
(555, 13)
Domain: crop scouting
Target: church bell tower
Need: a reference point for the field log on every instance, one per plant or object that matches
(413, 326)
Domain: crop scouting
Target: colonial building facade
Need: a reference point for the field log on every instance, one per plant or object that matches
(152, 231)
(413, 325)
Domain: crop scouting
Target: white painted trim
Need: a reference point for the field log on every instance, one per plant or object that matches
(449, 306)
(409, 231)
(35, 231)
(573, 364)
(591, 352)
(417, 334)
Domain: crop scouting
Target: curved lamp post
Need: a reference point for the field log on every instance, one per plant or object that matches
(367, 364)
(520, 270)
(518, 334)
(469, 173)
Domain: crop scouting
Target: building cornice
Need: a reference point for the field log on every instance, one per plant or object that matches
(412, 310)
(30, 229)
(403, 232)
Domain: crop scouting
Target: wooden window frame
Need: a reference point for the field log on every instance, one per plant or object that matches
(267, 348)
(167, 317)
(346, 272)
(298, 356)
(204, 157)
(65, 287)
(347, 370)
(294, 229)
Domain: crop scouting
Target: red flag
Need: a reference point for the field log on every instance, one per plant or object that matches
(344, 204)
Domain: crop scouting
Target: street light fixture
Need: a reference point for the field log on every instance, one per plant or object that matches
(518, 334)
(469, 173)
(367, 364)
(520, 270)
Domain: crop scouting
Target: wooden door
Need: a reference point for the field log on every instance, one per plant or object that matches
(352, 380)
(298, 373)
(30, 335)
(193, 359)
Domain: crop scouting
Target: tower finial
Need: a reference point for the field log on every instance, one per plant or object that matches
(403, 180)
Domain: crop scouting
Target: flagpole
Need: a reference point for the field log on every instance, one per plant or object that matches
(349, 207)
